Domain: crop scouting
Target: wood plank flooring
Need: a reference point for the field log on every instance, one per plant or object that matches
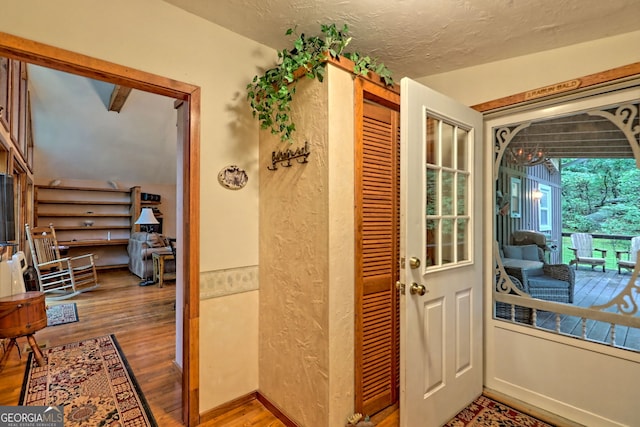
(143, 321)
(595, 287)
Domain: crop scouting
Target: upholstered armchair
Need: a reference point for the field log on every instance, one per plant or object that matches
(551, 282)
(141, 247)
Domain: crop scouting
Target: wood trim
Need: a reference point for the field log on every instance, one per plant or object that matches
(288, 422)
(75, 63)
(373, 78)
(229, 406)
(241, 401)
(585, 82)
(64, 60)
(191, 233)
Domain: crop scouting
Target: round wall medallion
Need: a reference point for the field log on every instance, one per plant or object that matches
(232, 177)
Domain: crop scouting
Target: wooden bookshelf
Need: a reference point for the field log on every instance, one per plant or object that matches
(112, 213)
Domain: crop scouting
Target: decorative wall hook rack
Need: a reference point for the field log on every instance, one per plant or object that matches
(284, 157)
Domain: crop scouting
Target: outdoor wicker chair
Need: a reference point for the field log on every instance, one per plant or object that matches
(552, 282)
(519, 314)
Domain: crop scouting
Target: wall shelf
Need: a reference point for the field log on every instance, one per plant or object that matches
(96, 242)
(113, 212)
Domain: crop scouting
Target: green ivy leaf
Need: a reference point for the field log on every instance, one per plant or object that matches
(270, 94)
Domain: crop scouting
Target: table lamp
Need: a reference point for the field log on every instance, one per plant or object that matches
(146, 221)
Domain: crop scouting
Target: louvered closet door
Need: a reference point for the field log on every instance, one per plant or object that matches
(377, 338)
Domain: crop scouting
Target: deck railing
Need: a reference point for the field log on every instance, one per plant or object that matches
(619, 312)
(560, 310)
(610, 242)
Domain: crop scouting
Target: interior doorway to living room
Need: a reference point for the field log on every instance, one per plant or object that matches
(186, 180)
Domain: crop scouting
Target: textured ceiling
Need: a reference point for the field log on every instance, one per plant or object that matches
(416, 38)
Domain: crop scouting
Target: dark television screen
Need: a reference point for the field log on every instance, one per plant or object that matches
(7, 213)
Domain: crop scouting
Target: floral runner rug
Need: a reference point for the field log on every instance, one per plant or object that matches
(92, 380)
(484, 412)
(61, 314)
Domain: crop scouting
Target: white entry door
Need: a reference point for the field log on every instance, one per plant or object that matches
(441, 309)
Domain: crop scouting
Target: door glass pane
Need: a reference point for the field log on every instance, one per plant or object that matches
(447, 145)
(432, 192)
(432, 242)
(463, 244)
(432, 140)
(462, 136)
(448, 242)
(461, 191)
(448, 194)
(448, 179)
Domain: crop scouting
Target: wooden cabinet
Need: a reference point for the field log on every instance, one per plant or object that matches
(96, 220)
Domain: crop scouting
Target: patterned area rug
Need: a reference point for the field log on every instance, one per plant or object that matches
(92, 380)
(484, 412)
(61, 314)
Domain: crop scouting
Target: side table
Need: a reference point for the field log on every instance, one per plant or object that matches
(158, 267)
(22, 315)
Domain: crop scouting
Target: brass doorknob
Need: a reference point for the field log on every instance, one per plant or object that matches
(414, 262)
(418, 289)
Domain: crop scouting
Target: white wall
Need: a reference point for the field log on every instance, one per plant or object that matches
(156, 37)
(494, 80)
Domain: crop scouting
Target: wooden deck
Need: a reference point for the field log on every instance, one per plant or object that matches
(594, 287)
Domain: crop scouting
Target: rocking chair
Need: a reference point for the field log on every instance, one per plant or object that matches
(59, 277)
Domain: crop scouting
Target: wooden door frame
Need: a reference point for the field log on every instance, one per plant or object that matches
(75, 63)
(560, 89)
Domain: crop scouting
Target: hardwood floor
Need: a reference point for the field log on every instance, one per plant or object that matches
(143, 321)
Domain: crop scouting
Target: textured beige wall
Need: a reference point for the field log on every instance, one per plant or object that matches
(307, 260)
(294, 266)
(490, 81)
(341, 245)
(156, 37)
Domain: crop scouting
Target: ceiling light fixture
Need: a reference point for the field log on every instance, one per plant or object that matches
(524, 156)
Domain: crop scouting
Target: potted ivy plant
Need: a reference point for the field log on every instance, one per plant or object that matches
(271, 93)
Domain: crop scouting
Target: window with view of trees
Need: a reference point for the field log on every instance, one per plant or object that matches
(601, 196)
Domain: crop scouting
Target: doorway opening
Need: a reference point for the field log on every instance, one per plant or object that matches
(187, 184)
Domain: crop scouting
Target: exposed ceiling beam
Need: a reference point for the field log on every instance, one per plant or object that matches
(118, 98)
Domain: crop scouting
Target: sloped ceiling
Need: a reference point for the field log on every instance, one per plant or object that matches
(76, 137)
(417, 38)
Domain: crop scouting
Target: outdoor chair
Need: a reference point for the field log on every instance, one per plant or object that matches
(632, 255)
(529, 237)
(59, 277)
(583, 251)
(520, 314)
(551, 282)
